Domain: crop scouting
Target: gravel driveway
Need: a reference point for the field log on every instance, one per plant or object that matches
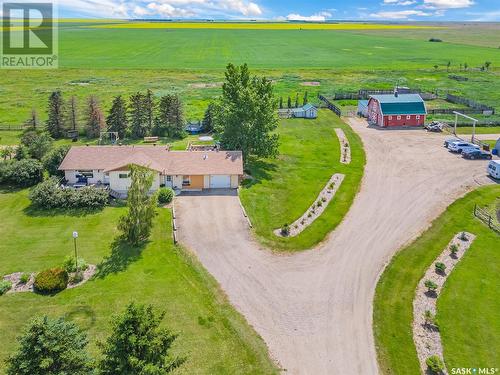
(314, 309)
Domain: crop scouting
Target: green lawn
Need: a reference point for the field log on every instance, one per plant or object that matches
(212, 335)
(285, 187)
(479, 130)
(10, 137)
(468, 306)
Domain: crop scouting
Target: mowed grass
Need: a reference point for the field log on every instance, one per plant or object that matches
(479, 130)
(213, 337)
(285, 187)
(10, 137)
(468, 306)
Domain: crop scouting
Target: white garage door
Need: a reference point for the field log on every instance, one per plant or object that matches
(220, 181)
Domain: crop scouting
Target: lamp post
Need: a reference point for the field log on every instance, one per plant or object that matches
(75, 236)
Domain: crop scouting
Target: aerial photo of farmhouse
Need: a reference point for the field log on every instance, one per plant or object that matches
(249, 187)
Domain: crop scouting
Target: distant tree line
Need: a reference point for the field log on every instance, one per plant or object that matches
(140, 116)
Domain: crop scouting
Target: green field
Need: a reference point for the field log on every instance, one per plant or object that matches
(468, 306)
(285, 187)
(214, 338)
(190, 62)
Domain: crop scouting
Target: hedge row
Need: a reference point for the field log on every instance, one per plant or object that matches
(21, 173)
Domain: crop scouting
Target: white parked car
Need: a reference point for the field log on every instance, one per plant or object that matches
(494, 169)
(461, 146)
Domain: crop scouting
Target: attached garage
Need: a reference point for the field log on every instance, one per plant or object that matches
(220, 181)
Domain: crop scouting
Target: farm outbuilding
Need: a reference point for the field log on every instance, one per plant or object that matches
(396, 110)
(306, 111)
(363, 108)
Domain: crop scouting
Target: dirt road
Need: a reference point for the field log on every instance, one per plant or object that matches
(314, 309)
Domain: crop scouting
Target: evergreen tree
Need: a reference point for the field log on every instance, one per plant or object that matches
(246, 117)
(117, 117)
(305, 98)
(50, 346)
(149, 111)
(72, 114)
(95, 119)
(208, 118)
(281, 102)
(138, 345)
(137, 223)
(448, 66)
(55, 122)
(161, 120)
(137, 114)
(176, 118)
(297, 100)
(289, 102)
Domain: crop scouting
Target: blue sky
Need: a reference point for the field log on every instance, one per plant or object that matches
(311, 10)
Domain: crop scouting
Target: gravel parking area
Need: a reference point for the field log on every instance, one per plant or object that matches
(314, 309)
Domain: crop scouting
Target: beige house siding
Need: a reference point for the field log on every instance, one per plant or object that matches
(235, 181)
(70, 176)
(123, 184)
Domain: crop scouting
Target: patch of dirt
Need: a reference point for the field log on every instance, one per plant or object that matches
(312, 83)
(205, 85)
(426, 336)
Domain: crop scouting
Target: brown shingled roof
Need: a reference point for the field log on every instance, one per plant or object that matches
(158, 158)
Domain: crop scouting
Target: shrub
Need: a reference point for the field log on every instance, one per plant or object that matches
(5, 286)
(463, 236)
(69, 264)
(435, 364)
(429, 317)
(435, 40)
(51, 281)
(25, 277)
(76, 277)
(53, 159)
(454, 249)
(440, 267)
(21, 173)
(285, 230)
(319, 204)
(37, 143)
(430, 285)
(165, 195)
(49, 194)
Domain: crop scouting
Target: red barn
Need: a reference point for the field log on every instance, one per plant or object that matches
(396, 110)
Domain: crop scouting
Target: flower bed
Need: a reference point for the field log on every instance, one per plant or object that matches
(425, 331)
(315, 210)
(345, 149)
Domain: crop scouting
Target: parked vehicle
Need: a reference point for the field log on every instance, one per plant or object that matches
(494, 169)
(434, 126)
(460, 146)
(476, 154)
(450, 140)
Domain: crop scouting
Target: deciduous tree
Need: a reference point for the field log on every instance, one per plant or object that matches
(137, 223)
(245, 116)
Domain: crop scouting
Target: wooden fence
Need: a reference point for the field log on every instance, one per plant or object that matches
(12, 127)
(332, 107)
(486, 218)
(469, 103)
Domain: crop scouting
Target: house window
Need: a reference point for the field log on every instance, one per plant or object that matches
(399, 117)
(169, 179)
(123, 175)
(418, 117)
(186, 180)
(390, 117)
(408, 117)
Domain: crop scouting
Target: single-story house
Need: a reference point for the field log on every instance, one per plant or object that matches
(396, 110)
(306, 111)
(363, 108)
(183, 170)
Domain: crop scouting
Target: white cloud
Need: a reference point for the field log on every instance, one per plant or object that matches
(399, 15)
(399, 2)
(161, 8)
(485, 16)
(447, 4)
(318, 17)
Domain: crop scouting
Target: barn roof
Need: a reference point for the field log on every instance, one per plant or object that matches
(403, 104)
(108, 158)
